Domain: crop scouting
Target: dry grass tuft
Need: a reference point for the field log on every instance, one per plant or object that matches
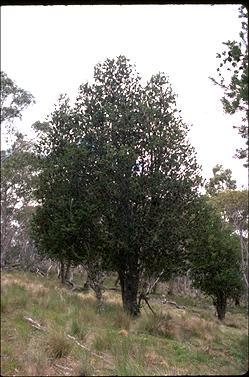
(179, 327)
(198, 327)
(122, 320)
(57, 346)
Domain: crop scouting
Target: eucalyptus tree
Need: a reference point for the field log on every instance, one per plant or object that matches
(17, 173)
(221, 180)
(14, 100)
(17, 180)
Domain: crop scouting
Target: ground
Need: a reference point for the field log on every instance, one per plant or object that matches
(76, 339)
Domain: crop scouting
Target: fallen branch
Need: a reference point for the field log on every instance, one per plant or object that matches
(62, 367)
(112, 289)
(35, 324)
(76, 287)
(173, 304)
(87, 349)
(143, 297)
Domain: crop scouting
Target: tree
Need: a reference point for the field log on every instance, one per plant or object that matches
(18, 167)
(235, 59)
(233, 206)
(221, 180)
(13, 100)
(134, 184)
(214, 256)
(66, 225)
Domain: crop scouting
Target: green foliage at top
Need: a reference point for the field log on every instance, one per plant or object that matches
(235, 59)
(233, 205)
(221, 180)
(13, 99)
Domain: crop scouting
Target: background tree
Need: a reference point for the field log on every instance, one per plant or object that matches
(214, 257)
(221, 180)
(233, 206)
(17, 180)
(235, 59)
(13, 101)
(17, 176)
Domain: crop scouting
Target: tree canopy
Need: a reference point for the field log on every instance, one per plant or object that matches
(121, 160)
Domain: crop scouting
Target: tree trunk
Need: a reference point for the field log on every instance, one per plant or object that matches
(62, 272)
(67, 272)
(129, 289)
(220, 304)
(87, 283)
(237, 301)
(171, 287)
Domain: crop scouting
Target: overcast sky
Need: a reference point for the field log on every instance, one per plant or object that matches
(53, 49)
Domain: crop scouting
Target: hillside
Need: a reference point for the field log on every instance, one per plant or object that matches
(70, 337)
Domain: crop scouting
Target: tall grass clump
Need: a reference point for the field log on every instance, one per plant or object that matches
(158, 325)
(57, 346)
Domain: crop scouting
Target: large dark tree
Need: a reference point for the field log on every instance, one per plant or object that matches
(139, 174)
(147, 172)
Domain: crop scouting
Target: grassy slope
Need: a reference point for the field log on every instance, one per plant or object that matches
(176, 342)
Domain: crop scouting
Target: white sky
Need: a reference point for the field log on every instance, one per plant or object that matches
(50, 50)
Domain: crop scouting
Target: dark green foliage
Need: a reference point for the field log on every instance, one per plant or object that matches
(119, 177)
(215, 258)
(66, 225)
(235, 60)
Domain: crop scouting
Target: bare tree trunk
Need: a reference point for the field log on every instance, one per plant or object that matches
(95, 276)
(171, 287)
(87, 283)
(67, 272)
(61, 272)
(244, 258)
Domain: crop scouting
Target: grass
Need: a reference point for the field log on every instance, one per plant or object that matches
(174, 342)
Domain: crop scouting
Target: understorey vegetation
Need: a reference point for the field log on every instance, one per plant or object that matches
(49, 330)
